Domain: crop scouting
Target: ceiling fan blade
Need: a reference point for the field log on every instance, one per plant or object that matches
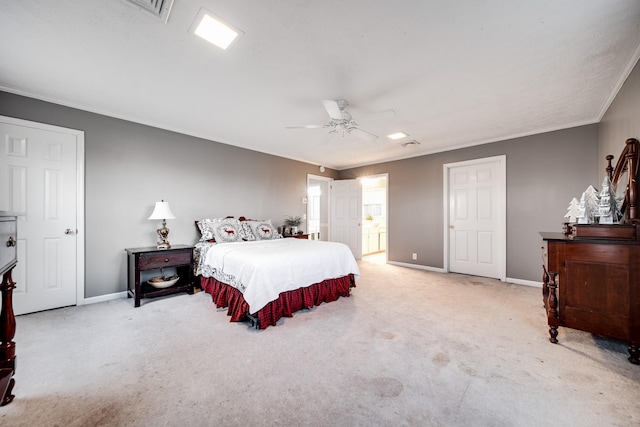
(366, 131)
(306, 127)
(328, 137)
(364, 134)
(378, 119)
(332, 108)
(385, 114)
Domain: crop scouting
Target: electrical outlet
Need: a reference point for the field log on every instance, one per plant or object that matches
(414, 256)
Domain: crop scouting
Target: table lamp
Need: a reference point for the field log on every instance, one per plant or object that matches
(163, 212)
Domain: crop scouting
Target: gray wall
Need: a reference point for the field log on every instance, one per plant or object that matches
(622, 119)
(128, 167)
(122, 183)
(543, 173)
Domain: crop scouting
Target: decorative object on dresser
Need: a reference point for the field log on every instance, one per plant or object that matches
(591, 272)
(617, 201)
(163, 212)
(150, 259)
(8, 260)
(572, 210)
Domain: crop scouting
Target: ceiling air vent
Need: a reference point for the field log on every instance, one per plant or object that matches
(159, 8)
(408, 143)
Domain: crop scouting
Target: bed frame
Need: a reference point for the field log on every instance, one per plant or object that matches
(226, 296)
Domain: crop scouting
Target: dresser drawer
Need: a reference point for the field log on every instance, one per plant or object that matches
(169, 259)
(7, 232)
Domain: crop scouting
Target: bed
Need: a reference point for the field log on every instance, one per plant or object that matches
(247, 267)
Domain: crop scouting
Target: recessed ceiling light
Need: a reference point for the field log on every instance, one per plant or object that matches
(214, 30)
(397, 135)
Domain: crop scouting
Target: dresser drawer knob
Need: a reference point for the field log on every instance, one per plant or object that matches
(11, 242)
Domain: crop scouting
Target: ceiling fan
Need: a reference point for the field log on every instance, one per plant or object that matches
(341, 122)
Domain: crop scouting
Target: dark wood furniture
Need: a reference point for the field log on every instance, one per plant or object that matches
(151, 258)
(297, 236)
(593, 285)
(591, 275)
(8, 260)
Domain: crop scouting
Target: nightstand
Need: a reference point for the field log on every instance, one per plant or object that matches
(144, 259)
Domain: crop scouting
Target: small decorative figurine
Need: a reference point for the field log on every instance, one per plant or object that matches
(572, 210)
(608, 210)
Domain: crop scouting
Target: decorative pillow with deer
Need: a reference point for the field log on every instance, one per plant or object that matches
(227, 231)
(208, 226)
(263, 230)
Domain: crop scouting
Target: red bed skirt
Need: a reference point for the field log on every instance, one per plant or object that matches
(287, 303)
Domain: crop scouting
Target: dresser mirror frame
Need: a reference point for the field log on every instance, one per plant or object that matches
(624, 179)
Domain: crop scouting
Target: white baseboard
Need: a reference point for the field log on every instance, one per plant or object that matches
(417, 266)
(441, 270)
(524, 282)
(103, 298)
(117, 295)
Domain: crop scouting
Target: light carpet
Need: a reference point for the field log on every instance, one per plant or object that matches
(408, 348)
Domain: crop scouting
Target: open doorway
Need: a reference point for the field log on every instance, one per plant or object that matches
(318, 207)
(374, 216)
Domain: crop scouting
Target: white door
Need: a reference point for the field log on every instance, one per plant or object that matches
(39, 171)
(346, 214)
(476, 217)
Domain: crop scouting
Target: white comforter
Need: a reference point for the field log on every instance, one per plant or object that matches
(261, 270)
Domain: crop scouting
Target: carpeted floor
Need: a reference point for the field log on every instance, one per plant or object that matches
(408, 348)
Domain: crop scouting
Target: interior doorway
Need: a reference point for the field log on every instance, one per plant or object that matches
(475, 217)
(42, 181)
(374, 216)
(318, 206)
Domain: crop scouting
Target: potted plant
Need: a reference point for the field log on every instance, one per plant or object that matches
(293, 222)
(369, 221)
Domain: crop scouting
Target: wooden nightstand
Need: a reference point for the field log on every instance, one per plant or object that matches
(151, 258)
(297, 236)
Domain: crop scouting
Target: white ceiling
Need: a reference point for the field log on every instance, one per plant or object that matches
(456, 73)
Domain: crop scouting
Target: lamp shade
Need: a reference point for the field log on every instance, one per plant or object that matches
(162, 211)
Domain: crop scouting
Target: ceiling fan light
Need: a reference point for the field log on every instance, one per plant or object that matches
(397, 135)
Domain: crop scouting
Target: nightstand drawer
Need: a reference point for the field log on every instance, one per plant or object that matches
(148, 262)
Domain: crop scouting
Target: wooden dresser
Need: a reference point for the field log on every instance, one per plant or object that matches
(593, 285)
(591, 272)
(8, 260)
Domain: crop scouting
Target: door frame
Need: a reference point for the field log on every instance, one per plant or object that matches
(80, 236)
(384, 175)
(502, 209)
(328, 195)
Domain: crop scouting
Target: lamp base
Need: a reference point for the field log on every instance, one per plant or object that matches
(163, 233)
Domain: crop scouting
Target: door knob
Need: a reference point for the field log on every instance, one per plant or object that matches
(11, 242)
(68, 231)
(452, 226)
